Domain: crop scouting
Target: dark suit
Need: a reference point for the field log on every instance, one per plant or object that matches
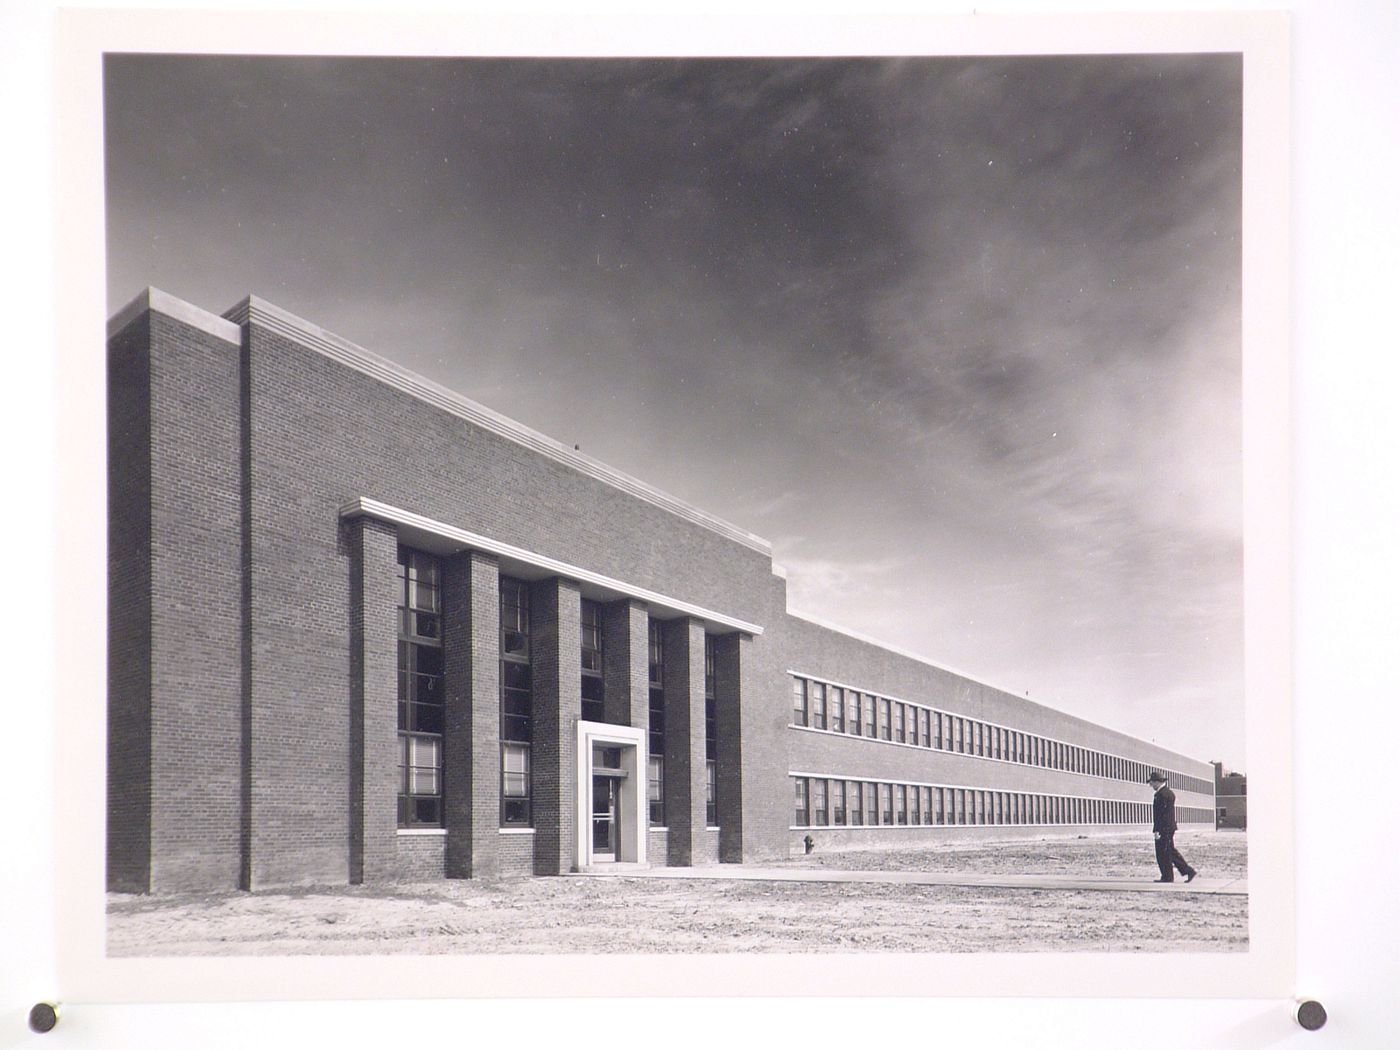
(1164, 825)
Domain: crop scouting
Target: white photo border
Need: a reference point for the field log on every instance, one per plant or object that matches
(86, 974)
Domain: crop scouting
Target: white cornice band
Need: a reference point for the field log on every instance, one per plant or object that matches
(349, 354)
(369, 508)
(156, 301)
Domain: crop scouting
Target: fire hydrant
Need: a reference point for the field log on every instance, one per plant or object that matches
(810, 843)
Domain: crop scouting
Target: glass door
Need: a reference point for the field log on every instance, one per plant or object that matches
(605, 819)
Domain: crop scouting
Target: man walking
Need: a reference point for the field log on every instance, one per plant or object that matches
(1164, 828)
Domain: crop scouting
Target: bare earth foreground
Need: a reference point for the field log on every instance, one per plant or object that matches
(636, 914)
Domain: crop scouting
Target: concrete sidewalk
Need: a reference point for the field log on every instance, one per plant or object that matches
(744, 872)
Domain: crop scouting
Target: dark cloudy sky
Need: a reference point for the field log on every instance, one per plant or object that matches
(961, 337)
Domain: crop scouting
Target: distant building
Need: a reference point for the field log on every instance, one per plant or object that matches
(363, 629)
(1230, 800)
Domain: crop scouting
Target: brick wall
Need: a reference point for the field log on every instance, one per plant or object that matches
(656, 847)
(129, 611)
(764, 711)
(471, 744)
(372, 440)
(707, 849)
(836, 657)
(554, 658)
(683, 669)
(625, 668)
(268, 691)
(375, 852)
(515, 854)
(177, 668)
(418, 858)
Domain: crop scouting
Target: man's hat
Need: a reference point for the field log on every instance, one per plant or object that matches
(1156, 778)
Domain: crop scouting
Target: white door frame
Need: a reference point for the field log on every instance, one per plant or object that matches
(632, 793)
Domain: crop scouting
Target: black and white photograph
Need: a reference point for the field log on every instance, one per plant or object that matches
(777, 525)
(635, 515)
(675, 505)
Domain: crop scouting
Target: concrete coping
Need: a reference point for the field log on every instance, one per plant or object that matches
(153, 300)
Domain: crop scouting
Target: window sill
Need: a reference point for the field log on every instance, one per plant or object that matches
(516, 831)
(422, 831)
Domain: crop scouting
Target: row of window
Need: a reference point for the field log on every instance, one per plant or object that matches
(656, 729)
(830, 802)
(839, 709)
(421, 699)
(421, 707)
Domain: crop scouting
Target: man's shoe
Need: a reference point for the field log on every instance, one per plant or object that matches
(1190, 876)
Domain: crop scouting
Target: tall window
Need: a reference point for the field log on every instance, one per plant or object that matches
(421, 711)
(899, 723)
(886, 803)
(711, 741)
(868, 714)
(853, 712)
(799, 816)
(591, 659)
(819, 813)
(925, 736)
(853, 795)
(818, 705)
(901, 804)
(799, 702)
(517, 727)
(838, 802)
(656, 727)
(884, 719)
(837, 699)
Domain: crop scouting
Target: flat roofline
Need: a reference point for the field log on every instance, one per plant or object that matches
(153, 300)
(256, 310)
(917, 658)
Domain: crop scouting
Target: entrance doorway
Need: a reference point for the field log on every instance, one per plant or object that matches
(611, 793)
(606, 818)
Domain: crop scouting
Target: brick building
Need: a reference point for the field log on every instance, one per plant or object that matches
(364, 629)
(1231, 802)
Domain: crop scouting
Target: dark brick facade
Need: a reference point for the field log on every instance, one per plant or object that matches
(129, 739)
(175, 664)
(253, 734)
(374, 771)
(825, 654)
(554, 643)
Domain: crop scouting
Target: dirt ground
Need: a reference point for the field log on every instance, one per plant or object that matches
(629, 914)
(1219, 855)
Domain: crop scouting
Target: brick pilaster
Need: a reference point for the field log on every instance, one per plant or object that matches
(731, 655)
(374, 745)
(471, 641)
(683, 681)
(625, 687)
(554, 681)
